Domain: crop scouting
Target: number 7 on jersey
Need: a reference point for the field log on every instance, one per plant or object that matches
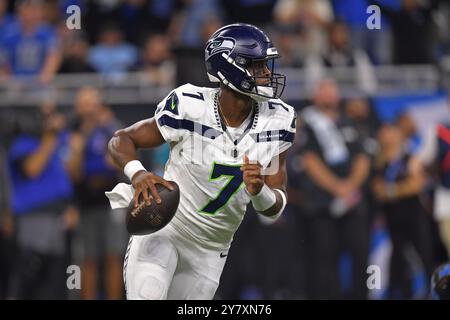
(235, 180)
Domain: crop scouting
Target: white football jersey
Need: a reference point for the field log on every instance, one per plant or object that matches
(205, 160)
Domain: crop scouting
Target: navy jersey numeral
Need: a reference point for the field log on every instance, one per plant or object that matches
(198, 96)
(272, 104)
(235, 179)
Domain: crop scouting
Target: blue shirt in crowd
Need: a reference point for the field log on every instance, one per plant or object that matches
(51, 186)
(95, 163)
(113, 59)
(354, 12)
(7, 21)
(26, 53)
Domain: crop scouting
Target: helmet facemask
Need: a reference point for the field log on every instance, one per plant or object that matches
(260, 81)
(264, 82)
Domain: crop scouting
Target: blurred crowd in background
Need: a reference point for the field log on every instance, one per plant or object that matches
(366, 186)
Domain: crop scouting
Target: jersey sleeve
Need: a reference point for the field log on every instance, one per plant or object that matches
(284, 119)
(288, 135)
(169, 117)
(181, 112)
(278, 127)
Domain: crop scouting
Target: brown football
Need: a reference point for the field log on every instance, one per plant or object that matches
(146, 219)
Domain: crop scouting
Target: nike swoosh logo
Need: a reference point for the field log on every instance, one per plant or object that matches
(173, 103)
(222, 255)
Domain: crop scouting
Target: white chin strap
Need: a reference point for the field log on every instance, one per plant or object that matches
(266, 91)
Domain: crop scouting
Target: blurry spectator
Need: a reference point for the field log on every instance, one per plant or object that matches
(287, 39)
(191, 59)
(187, 28)
(366, 122)
(313, 16)
(157, 62)
(340, 53)
(435, 154)
(102, 234)
(5, 21)
(50, 11)
(112, 56)
(333, 158)
(7, 127)
(209, 26)
(64, 4)
(280, 280)
(6, 223)
(31, 46)
(408, 129)
(161, 13)
(75, 52)
(257, 12)
(5, 18)
(442, 19)
(397, 185)
(99, 13)
(290, 281)
(377, 42)
(133, 17)
(412, 30)
(41, 192)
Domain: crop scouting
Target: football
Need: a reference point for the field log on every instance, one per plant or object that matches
(146, 219)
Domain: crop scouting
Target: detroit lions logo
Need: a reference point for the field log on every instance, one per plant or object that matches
(220, 44)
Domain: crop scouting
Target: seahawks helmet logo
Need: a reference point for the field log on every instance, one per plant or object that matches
(220, 44)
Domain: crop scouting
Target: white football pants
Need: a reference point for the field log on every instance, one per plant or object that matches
(166, 265)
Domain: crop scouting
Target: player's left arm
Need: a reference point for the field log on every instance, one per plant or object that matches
(268, 193)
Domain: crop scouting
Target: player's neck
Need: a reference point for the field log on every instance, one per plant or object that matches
(234, 107)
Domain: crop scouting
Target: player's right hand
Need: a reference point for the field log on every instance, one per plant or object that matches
(142, 182)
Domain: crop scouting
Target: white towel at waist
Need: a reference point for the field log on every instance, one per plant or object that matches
(120, 196)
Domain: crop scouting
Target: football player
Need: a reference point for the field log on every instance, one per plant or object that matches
(228, 148)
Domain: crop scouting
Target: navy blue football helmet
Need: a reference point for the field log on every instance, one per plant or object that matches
(440, 283)
(233, 56)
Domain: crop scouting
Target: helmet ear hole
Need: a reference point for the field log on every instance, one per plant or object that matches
(242, 61)
(246, 85)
